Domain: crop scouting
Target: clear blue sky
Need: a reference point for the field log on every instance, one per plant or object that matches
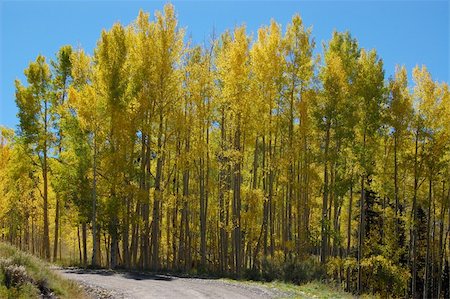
(403, 32)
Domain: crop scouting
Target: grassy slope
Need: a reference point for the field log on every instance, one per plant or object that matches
(40, 274)
(308, 290)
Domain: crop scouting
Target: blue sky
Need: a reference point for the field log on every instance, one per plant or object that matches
(403, 32)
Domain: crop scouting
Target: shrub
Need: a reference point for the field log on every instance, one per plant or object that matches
(337, 267)
(296, 271)
(15, 281)
(271, 268)
(252, 274)
(25, 276)
(15, 276)
(384, 277)
(303, 271)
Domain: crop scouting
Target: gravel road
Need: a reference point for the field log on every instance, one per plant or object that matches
(110, 284)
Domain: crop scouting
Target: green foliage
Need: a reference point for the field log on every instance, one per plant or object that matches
(383, 277)
(33, 102)
(294, 271)
(271, 268)
(301, 272)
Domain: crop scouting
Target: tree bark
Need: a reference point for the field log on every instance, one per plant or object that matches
(95, 243)
(222, 188)
(414, 216)
(324, 227)
(46, 240)
(362, 219)
(427, 258)
(55, 244)
(157, 199)
(84, 236)
(349, 229)
(237, 238)
(445, 200)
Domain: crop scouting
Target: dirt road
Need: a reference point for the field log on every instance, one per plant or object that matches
(109, 284)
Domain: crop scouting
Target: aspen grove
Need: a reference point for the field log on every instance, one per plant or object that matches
(247, 156)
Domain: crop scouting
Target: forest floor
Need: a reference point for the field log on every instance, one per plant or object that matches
(113, 284)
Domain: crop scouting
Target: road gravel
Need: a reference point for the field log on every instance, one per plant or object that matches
(110, 284)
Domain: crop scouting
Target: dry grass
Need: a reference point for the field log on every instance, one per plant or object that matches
(25, 276)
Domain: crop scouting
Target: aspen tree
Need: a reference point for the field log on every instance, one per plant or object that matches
(143, 86)
(370, 91)
(169, 47)
(34, 103)
(400, 112)
(61, 81)
(332, 104)
(298, 48)
(267, 67)
(233, 67)
(90, 109)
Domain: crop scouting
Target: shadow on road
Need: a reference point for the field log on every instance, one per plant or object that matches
(128, 275)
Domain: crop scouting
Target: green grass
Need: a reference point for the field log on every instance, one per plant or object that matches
(37, 274)
(309, 290)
